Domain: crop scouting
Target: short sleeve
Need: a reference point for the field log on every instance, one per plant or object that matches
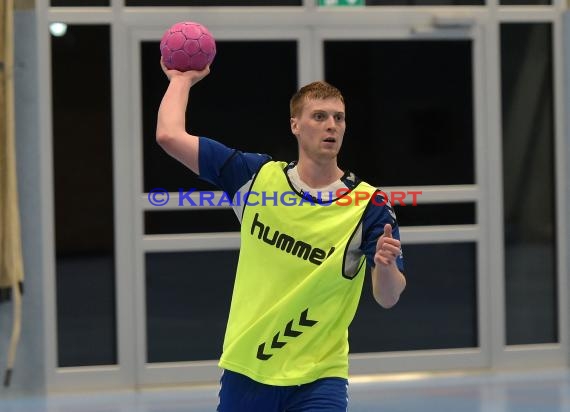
(227, 168)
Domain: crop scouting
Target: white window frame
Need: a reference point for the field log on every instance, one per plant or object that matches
(310, 26)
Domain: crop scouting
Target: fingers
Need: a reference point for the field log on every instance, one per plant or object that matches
(385, 236)
(387, 255)
(392, 248)
(387, 248)
(195, 75)
(382, 260)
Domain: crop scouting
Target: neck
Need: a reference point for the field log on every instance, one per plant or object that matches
(318, 175)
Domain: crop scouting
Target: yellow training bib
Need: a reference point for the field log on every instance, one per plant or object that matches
(293, 300)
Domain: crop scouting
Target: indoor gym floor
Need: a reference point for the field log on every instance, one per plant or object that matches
(525, 391)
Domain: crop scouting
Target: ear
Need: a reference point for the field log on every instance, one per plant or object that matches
(294, 126)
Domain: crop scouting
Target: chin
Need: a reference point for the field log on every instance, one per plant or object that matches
(330, 156)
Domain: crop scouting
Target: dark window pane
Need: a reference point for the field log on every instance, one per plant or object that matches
(188, 301)
(213, 2)
(77, 3)
(86, 325)
(438, 309)
(348, 3)
(83, 178)
(409, 110)
(524, 2)
(436, 214)
(195, 221)
(425, 2)
(528, 182)
(243, 106)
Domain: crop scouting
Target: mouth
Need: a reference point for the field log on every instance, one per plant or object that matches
(329, 140)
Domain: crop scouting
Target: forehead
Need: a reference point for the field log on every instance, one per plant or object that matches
(332, 104)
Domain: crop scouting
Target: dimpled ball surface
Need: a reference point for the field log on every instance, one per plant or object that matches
(187, 46)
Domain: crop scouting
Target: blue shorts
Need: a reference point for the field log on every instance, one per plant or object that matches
(238, 393)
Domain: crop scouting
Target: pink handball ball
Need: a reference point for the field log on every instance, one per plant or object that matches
(187, 46)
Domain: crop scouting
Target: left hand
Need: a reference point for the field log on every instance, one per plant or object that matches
(387, 248)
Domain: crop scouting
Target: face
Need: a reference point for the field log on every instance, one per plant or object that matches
(320, 129)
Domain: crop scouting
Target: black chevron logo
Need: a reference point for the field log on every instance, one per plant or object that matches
(260, 354)
(304, 321)
(275, 344)
(289, 332)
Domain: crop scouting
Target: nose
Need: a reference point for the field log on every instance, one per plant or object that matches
(331, 123)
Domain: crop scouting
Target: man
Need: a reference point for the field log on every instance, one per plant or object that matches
(306, 239)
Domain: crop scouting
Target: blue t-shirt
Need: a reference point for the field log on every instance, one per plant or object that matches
(232, 170)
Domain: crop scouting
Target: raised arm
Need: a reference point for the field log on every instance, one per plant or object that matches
(171, 132)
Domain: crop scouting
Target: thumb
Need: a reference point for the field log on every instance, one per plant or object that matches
(388, 230)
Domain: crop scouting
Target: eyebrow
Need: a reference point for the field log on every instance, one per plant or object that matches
(325, 111)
